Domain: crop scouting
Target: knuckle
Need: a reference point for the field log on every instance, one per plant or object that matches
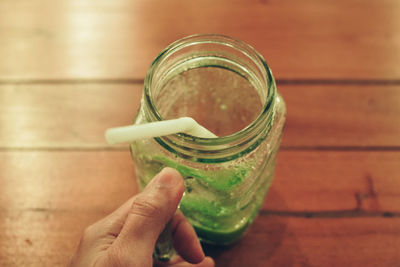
(144, 206)
(92, 232)
(122, 257)
(116, 258)
(88, 233)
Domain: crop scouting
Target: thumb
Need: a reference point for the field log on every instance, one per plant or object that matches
(150, 212)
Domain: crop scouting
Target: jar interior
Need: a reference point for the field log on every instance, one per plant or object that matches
(220, 94)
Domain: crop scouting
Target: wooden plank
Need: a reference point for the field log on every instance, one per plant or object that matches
(309, 181)
(49, 238)
(37, 116)
(76, 115)
(65, 180)
(289, 241)
(41, 237)
(321, 183)
(338, 115)
(47, 198)
(301, 40)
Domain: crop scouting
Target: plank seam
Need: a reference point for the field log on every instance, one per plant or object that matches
(70, 81)
(340, 148)
(283, 81)
(353, 213)
(327, 214)
(126, 148)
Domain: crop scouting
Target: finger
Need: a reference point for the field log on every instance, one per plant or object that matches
(178, 261)
(111, 225)
(105, 230)
(185, 240)
(150, 211)
(207, 262)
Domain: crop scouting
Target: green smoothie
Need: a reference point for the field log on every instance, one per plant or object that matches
(212, 232)
(214, 201)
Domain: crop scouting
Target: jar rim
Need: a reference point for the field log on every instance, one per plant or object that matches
(181, 142)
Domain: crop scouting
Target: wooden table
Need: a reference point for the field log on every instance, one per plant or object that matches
(70, 69)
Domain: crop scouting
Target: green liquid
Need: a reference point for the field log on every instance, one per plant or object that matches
(210, 203)
(220, 200)
(211, 233)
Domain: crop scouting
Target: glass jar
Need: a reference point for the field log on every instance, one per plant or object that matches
(227, 87)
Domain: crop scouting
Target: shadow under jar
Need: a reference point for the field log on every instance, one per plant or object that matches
(227, 87)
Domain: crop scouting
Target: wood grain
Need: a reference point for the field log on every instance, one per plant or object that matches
(65, 181)
(271, 241)
(340, 115)
(308, 181)
(278, 241)
(71, 69)
(43, 39)
(310, 218)
(326, 182)
(67, 116)
(73, 116)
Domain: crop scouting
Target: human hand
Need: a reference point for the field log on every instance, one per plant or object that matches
(127, 236)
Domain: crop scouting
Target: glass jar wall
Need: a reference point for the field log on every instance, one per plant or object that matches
(227, 87)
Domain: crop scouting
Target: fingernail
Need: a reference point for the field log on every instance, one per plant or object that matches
(167, 178)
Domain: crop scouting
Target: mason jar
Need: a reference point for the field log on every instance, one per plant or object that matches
(227, 87)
